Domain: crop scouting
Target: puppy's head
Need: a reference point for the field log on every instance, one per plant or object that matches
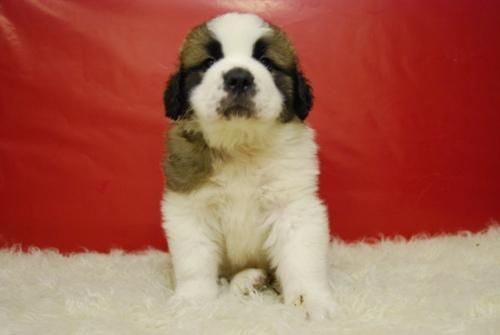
(237, 66)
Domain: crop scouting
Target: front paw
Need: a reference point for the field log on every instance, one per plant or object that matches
(317, 306)
(320, 307)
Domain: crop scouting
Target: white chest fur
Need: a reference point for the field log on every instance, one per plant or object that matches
(241, 203)
(257, 210)
(242, 200)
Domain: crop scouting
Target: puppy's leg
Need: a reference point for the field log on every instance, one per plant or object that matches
(299, 252)
(194, 251)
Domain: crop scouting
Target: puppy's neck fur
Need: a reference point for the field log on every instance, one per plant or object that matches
(239, 137)
(197, 149)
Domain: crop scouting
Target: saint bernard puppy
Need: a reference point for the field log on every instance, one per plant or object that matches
(241, 169)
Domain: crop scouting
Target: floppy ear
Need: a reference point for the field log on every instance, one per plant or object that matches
(174, 97)
(303, 96)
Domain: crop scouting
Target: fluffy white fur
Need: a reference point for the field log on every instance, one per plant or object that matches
(269, 210)
(442, 285)
(260, 208)
(237, 32)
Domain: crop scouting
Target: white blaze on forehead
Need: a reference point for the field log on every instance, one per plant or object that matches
(238, 32)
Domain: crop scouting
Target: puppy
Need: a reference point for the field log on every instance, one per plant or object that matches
(241, 169)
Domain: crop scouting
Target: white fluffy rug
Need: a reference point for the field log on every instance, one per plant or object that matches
(441, 285)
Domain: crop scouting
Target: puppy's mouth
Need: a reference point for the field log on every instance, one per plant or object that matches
(236, 107)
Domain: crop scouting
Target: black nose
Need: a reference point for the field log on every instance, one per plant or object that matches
(238, 80)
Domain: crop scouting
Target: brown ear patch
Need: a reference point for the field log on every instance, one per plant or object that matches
(188, 164)
(190, 161)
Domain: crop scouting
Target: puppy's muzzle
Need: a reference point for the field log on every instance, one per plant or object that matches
(238, 81)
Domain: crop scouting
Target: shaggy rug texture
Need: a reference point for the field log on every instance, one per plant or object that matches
(439, 285)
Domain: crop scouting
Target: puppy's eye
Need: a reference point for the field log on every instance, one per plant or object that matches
(207, 63)
(267, 62)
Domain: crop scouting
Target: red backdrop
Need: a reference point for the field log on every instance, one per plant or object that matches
(407, 114)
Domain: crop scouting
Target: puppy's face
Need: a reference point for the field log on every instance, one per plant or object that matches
(237, 66)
